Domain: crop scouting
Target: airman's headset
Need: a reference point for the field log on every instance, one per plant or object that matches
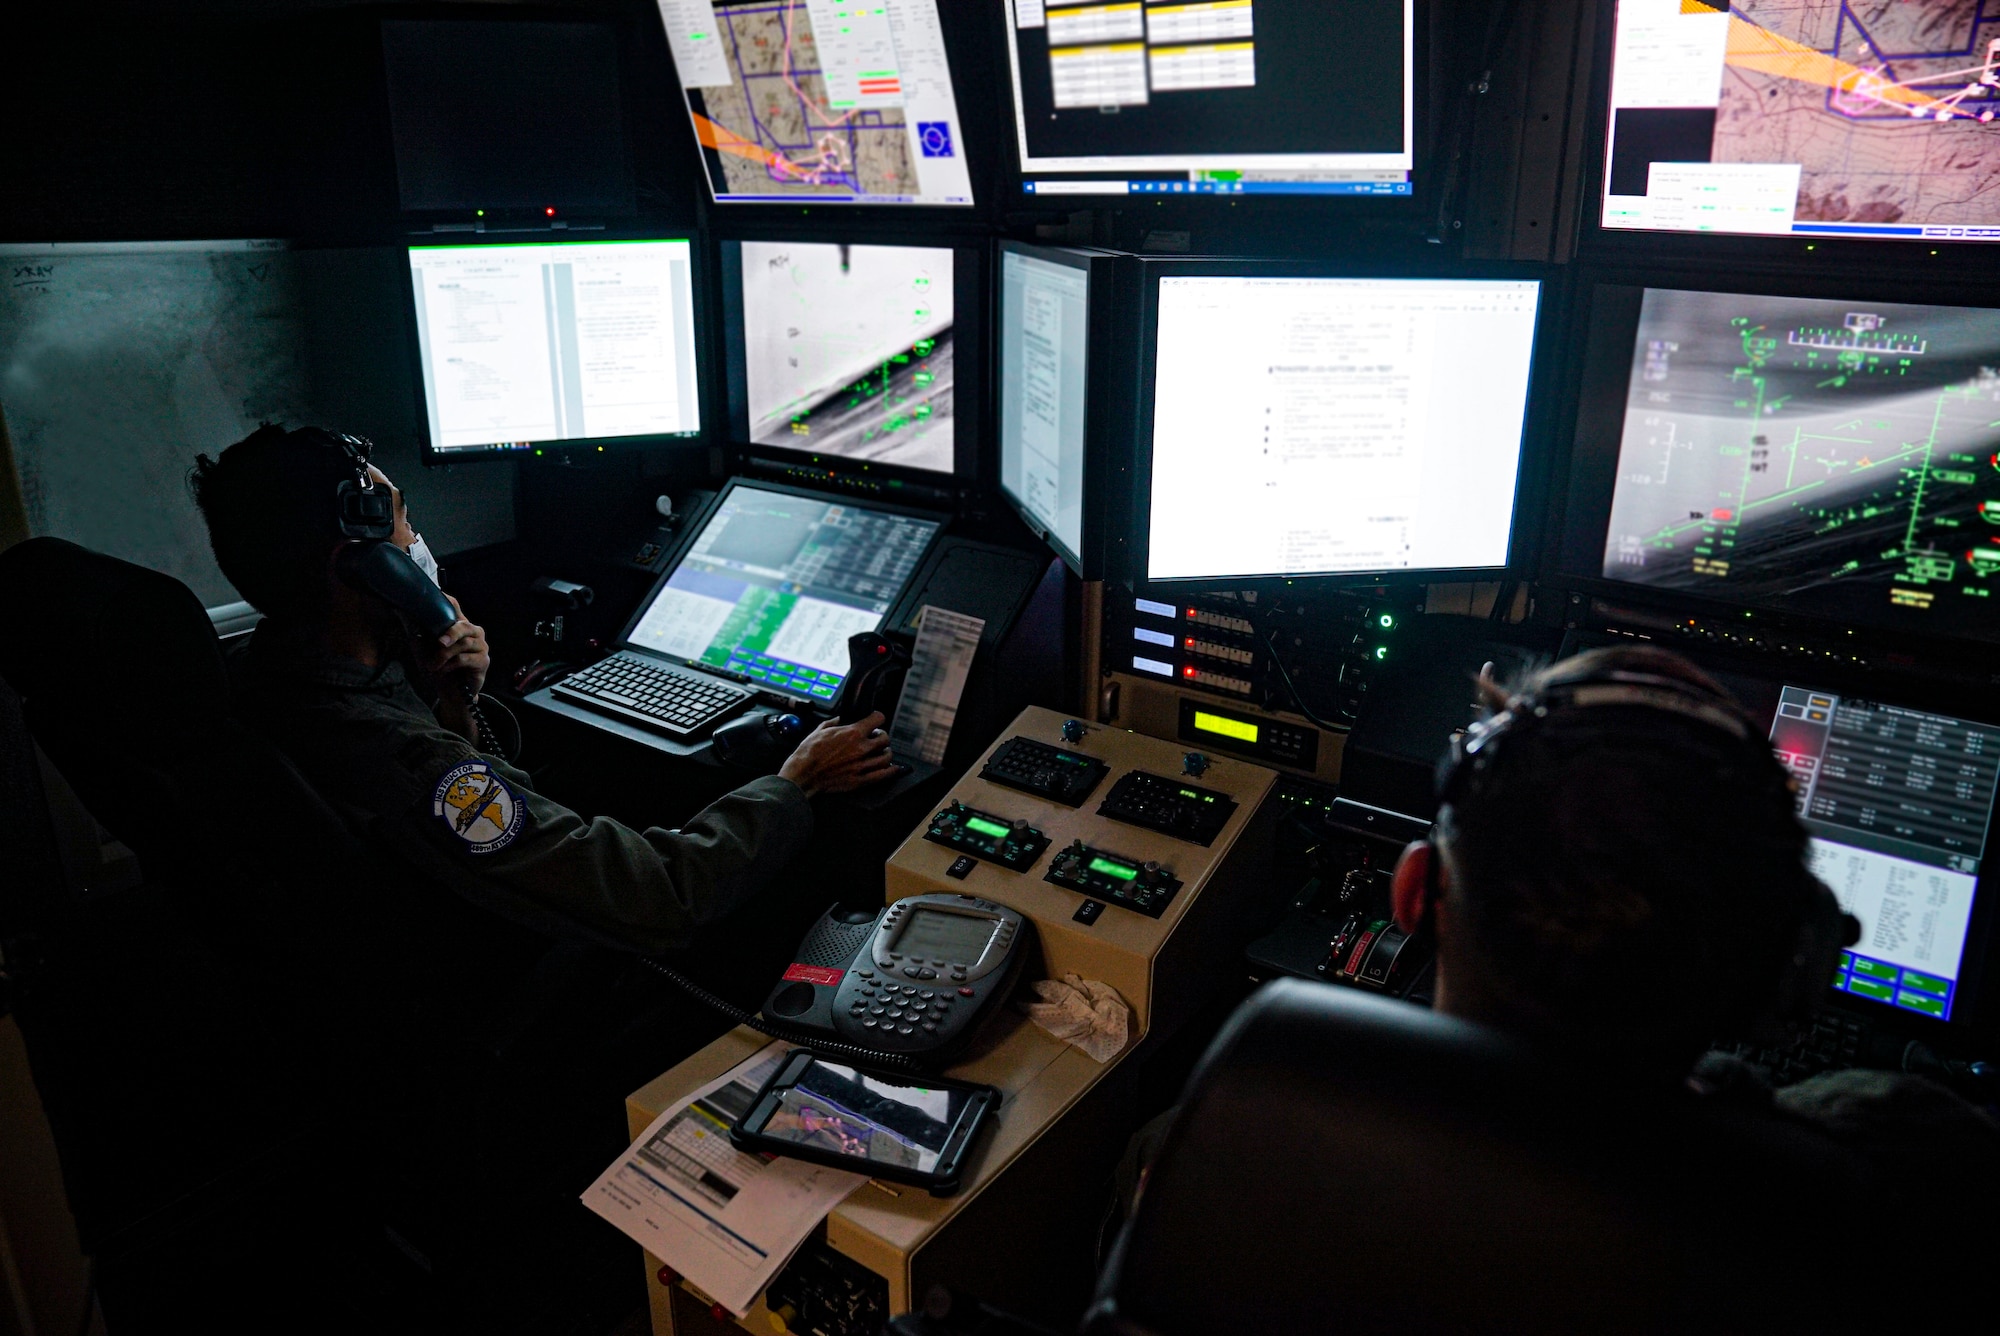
(368, 561)
(1824, 927)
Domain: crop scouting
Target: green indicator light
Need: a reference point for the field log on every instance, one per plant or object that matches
(1381, 651)
(1386, 621)
(1189, 793)
(1111, 869)
(992, 830)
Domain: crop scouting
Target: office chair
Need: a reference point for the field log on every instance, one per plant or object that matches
(1348, 1162)
(265, 891)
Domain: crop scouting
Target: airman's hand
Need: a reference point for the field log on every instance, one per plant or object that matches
(837, 758)
(461, 655)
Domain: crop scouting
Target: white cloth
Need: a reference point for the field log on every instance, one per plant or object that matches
(1082, 1012)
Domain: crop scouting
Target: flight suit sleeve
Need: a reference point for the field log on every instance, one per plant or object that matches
(480, 825)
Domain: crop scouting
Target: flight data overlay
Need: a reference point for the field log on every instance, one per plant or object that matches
(564, 341)
(1215, 97)
(1321, 426)
(834, 100)
(1840, 118)
(1897, 803)
(1044, 333)
(847, 350)
(1830, 458)
(775, 584)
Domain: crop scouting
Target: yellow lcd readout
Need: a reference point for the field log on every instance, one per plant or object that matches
(1228, 728)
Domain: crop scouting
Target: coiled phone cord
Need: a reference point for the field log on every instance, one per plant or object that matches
(832, 1048)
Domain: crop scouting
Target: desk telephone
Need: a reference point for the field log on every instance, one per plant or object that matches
(914, 980)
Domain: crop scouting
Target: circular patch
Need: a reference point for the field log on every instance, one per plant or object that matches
(478, 808)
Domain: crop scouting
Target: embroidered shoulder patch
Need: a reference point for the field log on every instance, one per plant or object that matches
(478, 808)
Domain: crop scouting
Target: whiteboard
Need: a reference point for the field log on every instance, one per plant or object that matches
(119, 362)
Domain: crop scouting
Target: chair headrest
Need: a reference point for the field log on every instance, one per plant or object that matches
(87, 632)
(1347, 1160)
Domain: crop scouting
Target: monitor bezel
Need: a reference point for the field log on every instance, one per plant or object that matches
(691, 532)
(1640, 245)
(970, 327)
(434, 456)
(1099, 423)
(1538, 421)
(1366, 208)
(1591, 406)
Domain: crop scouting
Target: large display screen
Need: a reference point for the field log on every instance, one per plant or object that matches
(846, 350)
(1044, 370)
(1236, 97)
(1336, 426)
(834, 101)
(1830, 458)
(558, 341)
(774, 584)
(1897, 802)
(1805, 118)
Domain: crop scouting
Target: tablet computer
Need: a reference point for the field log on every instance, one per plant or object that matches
(908, 1129)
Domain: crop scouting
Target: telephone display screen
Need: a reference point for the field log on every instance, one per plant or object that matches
(841, 1111)
(934, 935)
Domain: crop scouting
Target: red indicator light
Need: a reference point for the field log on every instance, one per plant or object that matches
(1188, 671)
(550, 212)
(1720, 513)
(1190, 639)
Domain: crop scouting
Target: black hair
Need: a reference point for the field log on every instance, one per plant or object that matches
(272, 517)
(1627, 876)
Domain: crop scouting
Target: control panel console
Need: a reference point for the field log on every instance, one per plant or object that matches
(1012, 843)
(1170, 806)
(1143, 886)
(1054, 773)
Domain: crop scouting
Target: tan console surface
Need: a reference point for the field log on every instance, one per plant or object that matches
(1058, 1125)
(1123, 946)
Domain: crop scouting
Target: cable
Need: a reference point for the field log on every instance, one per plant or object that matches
(1271, 644)
(866, 1057)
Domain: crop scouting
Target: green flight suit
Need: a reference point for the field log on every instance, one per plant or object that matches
(469, 822)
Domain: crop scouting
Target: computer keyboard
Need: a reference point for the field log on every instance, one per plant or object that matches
(669, 699)
(1828, 1042)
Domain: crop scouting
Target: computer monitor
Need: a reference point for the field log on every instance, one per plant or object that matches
(1820, 457)
(539, 344)
(1897, 800)
(1047, 296)
(853, 354)
(1320, 426)
(1801, 121)
(554, 144)
(1283, 97)
(820, 101)
(775, 581)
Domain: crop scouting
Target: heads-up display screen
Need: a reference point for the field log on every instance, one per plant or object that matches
(1822, 457)
(846, 350)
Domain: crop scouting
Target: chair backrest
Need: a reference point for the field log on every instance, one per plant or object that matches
(1343, 1161)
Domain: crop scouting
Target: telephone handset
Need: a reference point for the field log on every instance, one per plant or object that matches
(386, 571)
(915, 980)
